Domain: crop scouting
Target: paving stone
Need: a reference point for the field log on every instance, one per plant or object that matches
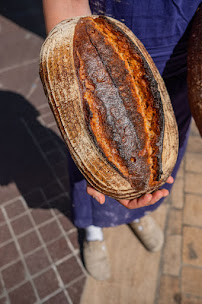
(13, 275)
(17, 163)
(74, 239)
(46, 283)
(75, 290)
(4, 234)
(62, 205)
(27, 164)
(169, 291)
(38, 97)
(29, 242)
(65, 222)
(58, 249)
(44, 109)
(56, 130)
(9, 192)
(3, 301)
(193, 210)
(60, 169)
(14, 53)
(1, 288)
(8, 253)
(47, 119)
(192, 246)
(48, 144)
(55, 156)
(26, 14)
(50, 231)
(41, 133)
(174, 222)
(65, 182)
(21, 224)
(23, 295)
(52, 190)
(37, 261)
(191, 281)
(12, 82)
(41, 215)
(35, 198)
(2, 218)
(180, 172)
(59, 298)
(193, 183)
(193, 162)
(194, 130)
(60, 142)
(15, 208)
(187, 299)
(69, 270)
(177, 194)
(172, 255)
(194, 144)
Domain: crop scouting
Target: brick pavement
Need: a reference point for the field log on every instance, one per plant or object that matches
(181, 267)
(39, 251)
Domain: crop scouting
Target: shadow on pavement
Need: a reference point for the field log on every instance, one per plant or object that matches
(21, 159)
(26, 13)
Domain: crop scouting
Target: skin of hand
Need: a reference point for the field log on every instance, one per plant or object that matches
(56, 11)
(142, 201)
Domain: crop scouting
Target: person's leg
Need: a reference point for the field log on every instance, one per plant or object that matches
(95, 253)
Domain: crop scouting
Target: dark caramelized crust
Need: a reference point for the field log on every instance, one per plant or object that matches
(194, 64)
(122, 107)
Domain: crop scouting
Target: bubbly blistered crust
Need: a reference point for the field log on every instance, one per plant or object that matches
(62, 86)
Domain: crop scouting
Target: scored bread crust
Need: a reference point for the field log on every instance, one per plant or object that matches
(58, 75)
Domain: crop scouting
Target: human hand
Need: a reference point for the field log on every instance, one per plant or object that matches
(142, 201)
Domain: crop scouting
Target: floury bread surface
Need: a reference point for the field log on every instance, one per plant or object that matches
(110, 104)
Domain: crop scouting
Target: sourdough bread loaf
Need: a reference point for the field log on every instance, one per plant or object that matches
(110, 104)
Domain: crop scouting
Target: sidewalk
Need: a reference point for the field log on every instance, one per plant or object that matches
(39, 252)
(174, 275)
